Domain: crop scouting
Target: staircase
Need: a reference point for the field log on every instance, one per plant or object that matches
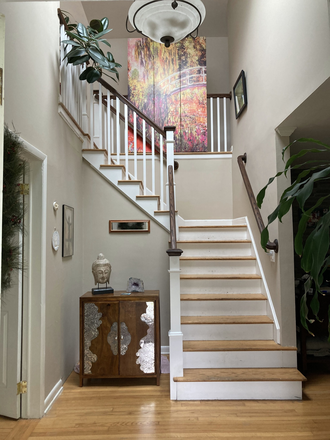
(227, 319)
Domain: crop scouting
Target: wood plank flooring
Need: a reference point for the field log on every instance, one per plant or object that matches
(134, 410)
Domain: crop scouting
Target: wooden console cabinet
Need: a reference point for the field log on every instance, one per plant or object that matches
(119, 335)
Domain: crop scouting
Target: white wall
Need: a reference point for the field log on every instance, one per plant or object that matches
(139, 254)
(204, 188)
(31, 99)
(283, 46)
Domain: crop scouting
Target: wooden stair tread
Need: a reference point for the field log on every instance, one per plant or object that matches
(94, 150)
(122, 182)
(240, 375)
(212, 276)
(202, 346)
(223, 297)
(234, 319)
(148, 197)
(229, 258)
(212, 227)
(113, 166)
(213, 241)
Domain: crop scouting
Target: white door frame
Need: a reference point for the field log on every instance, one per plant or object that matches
(33, 358)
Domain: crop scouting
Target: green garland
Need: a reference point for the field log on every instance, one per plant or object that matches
(13, 207)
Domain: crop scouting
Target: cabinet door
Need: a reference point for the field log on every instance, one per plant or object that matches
(101, 353)
(137, 341)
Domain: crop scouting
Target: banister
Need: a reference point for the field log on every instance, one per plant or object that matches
(173, 251)
(271, 245)
(62, 19)
(219, 95)
(131, 106)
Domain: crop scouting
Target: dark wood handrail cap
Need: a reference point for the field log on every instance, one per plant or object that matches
(174, 252)
(169, 128)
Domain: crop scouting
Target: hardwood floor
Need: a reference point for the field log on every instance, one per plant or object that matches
(138, 410)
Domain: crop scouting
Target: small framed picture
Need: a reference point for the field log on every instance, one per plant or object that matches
(68, 231)
(240, 96)
(129, 225)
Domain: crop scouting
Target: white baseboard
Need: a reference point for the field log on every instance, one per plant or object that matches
(52, 396)
(165, 349)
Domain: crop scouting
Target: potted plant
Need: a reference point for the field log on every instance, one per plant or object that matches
(313, 250)
(85, 42)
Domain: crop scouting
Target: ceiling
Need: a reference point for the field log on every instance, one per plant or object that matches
(215, 23)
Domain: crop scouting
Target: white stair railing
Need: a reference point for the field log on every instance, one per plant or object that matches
(218, 122)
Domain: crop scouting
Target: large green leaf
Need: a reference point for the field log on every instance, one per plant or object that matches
(97, 56)
(301, 154)
(284, 208)
(96, 24)
(93, 76)
(84, 74)
(262, 192)
(81, 60)
(316, 246)
(105, 23)
(100, 34)
(306, 191)
(82, 31)
(304, 140)
(73, 43)
(75, 53)
(75, 36)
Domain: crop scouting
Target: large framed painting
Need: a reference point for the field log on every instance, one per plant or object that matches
(169, 86)
(68, 231)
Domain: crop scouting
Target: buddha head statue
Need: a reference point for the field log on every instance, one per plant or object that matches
(101, 269)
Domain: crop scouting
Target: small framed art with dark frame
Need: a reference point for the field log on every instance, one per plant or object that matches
(240, 96)
(67, 231)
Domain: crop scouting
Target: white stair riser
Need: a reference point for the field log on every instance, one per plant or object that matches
(218, 308)
(220, 286)
(235, 332)
(96, 159)
(164, 219)
(277, 390)
(132, 190)
(112, 174)
(240, 359)
(148, 205)
(215, 249)
(218, 266)
(213, 234)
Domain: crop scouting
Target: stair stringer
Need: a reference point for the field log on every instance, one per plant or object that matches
(264, 288)
(163, 219)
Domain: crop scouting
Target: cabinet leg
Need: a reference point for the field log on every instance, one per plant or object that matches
(81, 381)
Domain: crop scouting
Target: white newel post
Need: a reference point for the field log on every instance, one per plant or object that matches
(175, 333)
(169, 132)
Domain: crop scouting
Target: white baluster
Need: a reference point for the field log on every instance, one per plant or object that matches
(91, 116)
(135, 148)
(161, 173)
(112, 130)
(153, 159)
(211, 127)
(108, 127)
(84, 122)
(126, 139)
(144, 158)
(62, 66)
(118, 129)
(225, 123)
(170, 157)
(218, 122)
(100, 118)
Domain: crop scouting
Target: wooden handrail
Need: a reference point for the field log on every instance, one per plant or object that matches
(219, 95)
(173, 251)
(271, 245)
(62, 19)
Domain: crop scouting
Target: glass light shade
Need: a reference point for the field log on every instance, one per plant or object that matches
(157, 19)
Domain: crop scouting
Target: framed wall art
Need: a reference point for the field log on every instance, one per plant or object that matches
(129, 225)
(240, 96)
(67, 231)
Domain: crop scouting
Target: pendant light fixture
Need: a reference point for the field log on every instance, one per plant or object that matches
(166, 21)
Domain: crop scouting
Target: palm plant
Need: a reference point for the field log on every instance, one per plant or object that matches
(313, 250)
(85, 42)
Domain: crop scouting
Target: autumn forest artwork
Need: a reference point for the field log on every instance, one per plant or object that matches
(169, 86)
